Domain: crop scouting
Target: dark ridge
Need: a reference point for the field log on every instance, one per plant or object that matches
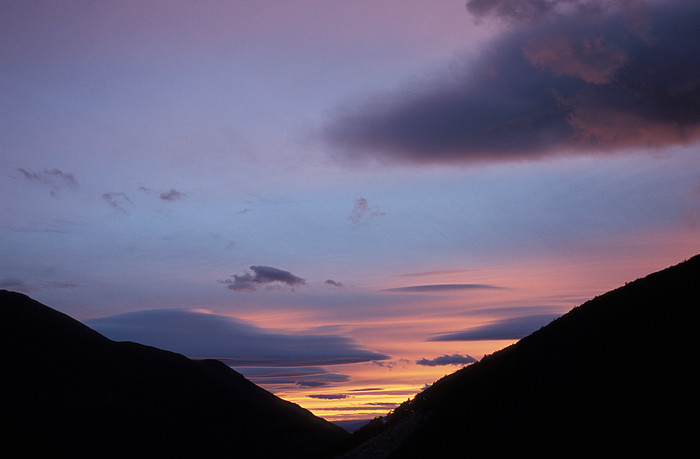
(614, 377)
(70, 392)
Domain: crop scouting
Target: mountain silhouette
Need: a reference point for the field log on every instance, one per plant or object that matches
(70, 392)
(613, 377)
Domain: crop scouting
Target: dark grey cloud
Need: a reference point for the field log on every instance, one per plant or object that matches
(576, 76)
(512, 328)
(118, 200)
(433, 288)
(262, 275)
(333, 283)
(172, 195)
(328, 396)
(454, 359)
(200, 335)
(362, 213)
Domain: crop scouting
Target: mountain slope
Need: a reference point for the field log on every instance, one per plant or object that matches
(69, 391)
(614, 376)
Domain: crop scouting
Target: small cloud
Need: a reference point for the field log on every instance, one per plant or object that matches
(333, 283)
(454, 359)
(362, 213)
(390, 364)
(172, 195)
(510, 329)
(328, 396)
(262, 275)
(118, 200)
(55, 178)
(311, 383)
(244, 211)
(442, 288)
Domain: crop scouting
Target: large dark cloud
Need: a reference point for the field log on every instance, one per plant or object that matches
(570, 76)
(261, 275)
(512, 328)
(200, 335)
(454, 359)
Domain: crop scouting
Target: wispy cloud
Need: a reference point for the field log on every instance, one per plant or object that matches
(262, 275)
(512, 328)
(442, 272)
(333, 283)
(292, 376)
(362, 213)
(239, 344)
(433, 288)
(328, 396)
(21, 285)
(571, 76)
(118, 200)
(54, 178)
(454, 359)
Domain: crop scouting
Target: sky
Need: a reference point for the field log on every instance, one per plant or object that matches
(344, 201)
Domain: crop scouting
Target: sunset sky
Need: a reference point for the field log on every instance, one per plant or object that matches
(344, 201)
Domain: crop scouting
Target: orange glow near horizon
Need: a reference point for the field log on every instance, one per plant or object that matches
(373, 389)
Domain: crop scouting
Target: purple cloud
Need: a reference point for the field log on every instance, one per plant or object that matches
(513, 328)
(20, 285)
(55, 178)
(236, 343)
(362, 213)
(454, 359)
(118, 200)
(292, 376)
(333, 283)
(262, 275)
(172, 195)
(574, 76)
(50, 176)
(433, 288)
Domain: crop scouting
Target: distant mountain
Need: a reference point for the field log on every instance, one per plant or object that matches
(614, 377)
(68, 391)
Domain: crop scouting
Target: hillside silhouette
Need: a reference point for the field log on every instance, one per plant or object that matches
(613, 377)
(70, 392)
